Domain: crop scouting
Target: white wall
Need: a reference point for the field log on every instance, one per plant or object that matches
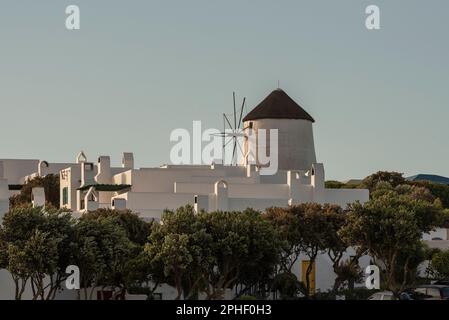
(4, 197)
(155, 202)
(70, 178)
(438, 233)
(324, 273)
(296, 146)
(55, 168)
(15, 170)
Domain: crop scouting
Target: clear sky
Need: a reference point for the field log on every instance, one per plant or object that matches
(139, 69)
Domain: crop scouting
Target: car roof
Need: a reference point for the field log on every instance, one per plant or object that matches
(438, 286)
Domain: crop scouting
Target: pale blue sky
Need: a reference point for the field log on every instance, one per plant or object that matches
(138, 69)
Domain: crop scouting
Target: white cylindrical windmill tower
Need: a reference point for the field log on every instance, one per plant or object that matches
(296, 148)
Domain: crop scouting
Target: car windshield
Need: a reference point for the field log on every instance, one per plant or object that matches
(375, 296)
(445, 292)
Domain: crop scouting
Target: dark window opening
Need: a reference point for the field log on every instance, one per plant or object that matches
(65, 196)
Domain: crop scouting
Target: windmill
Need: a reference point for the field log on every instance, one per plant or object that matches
(233, 131)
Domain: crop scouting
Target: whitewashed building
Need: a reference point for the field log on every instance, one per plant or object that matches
(87, 185)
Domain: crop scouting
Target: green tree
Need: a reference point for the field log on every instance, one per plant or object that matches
(265, 249)
(287, 224)
(136, 273)
(137, 229)
(440, 191)
(316, 221)
(438, 268)
(332, 184)
(287, 284)
(408, 262)
(309, 229)
(445, 219)
(50, 183)
(347, 270)
(177, 249)
(212, 252)
(244, 251)
(37, 244)
(103, 252)
(393, 178)
(389, 227)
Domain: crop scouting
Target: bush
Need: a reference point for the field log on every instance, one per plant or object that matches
(349, 294)
(288, 285)
(247, 298)
(50, 183)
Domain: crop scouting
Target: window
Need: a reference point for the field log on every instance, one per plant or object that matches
(433, 292)
(388, 297)
(376, 296)
(420, 294)
(421, 290)
(65, 196)
(445, 292)
(250, 124)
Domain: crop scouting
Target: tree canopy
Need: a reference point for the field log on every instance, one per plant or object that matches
(211, 252)
(390, 227)
(50, 183)
(36, 243)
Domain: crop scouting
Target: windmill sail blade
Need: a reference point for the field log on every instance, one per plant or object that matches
(233, 151)
(220, 134)
(240, 147)
(227, 120)
(235, 116)
(235, 133)
(241, 112)
(227, 142)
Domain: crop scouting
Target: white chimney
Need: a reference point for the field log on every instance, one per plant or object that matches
(104, 175)
(128, 160)
(38, 197)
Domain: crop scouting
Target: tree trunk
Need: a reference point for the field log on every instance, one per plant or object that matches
(308, 272)
(178, 286)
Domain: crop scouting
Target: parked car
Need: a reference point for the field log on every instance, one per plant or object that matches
(442, 282)
(382, 295)
(430, 292)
